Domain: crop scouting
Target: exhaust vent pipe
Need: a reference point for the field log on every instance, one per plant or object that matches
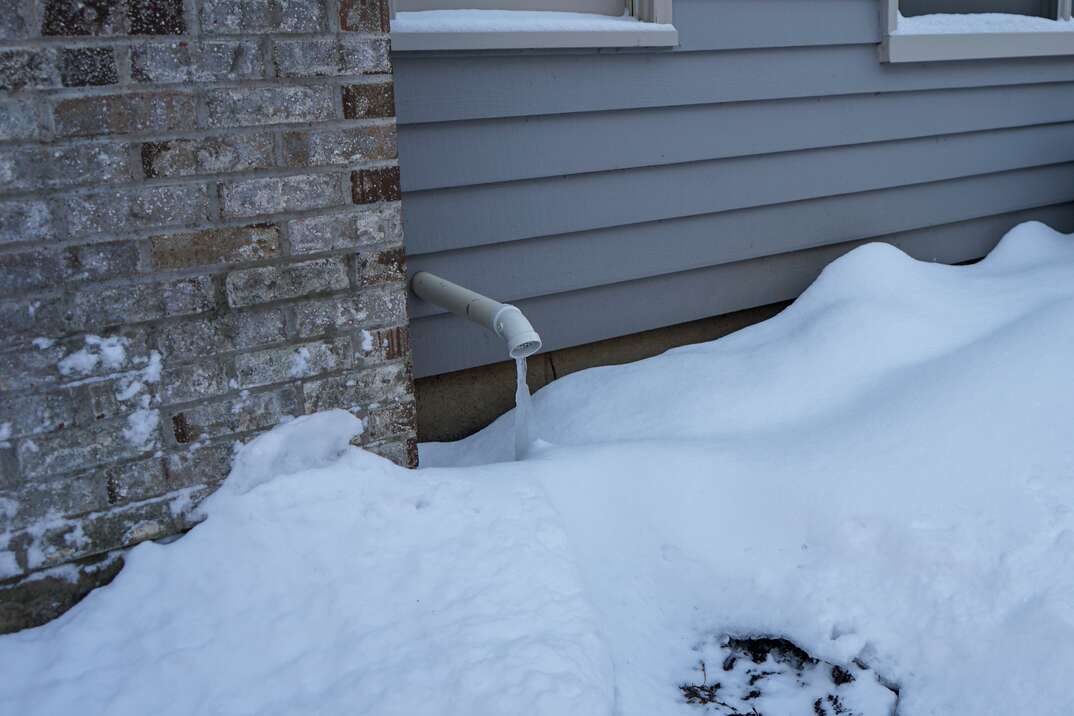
(503, 319)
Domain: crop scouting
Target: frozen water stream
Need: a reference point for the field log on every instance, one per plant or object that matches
(523, 409)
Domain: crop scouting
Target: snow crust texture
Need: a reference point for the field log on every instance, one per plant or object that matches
(883, 474)
(977, 22)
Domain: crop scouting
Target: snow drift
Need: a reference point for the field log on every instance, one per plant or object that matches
(883, 473)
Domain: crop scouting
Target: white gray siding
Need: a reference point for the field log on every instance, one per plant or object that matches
(617, 191)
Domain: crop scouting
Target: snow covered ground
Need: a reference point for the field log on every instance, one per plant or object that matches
(883, 474)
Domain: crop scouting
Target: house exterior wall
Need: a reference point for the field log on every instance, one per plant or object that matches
(611, 192)
(199, 235)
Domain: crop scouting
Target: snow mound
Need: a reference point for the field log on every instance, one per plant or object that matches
(883, 475)
(351, 587)
(305, 443)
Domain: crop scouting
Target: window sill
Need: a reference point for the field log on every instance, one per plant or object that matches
(975, 46)
(520, 30)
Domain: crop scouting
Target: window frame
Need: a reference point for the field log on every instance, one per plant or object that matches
(897, 48)
(648, 12)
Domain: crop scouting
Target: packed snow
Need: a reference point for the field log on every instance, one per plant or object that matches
(977, 22)
(883, 475)
(517, 21)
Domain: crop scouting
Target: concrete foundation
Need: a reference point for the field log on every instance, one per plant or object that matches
(454, 405)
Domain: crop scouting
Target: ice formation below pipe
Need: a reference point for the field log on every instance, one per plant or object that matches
(503, 319)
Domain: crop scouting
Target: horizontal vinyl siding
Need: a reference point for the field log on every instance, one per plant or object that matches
(612, 192)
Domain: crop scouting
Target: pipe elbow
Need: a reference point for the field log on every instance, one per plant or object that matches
(516, 330)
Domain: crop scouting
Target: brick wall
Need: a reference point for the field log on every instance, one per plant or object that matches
(199, 235)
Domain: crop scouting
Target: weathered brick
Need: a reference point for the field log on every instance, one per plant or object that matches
(384, 344)
(26, 220)
(101, 260)
(239, 16)
(10, 478)
(22, 367)
(338, 231)
(39, 500)
(32, 602)
(255, 106)
(357, 390)
(32, 269)
(215, 246)
(104, 531)
(118, 305)
(134, 481)
(364, 16)
(339, 146)
(84, 17)
(39, 413)
(271, 195)
(369, 100)
(376, 306)
(79, 448)
(373, 185)
(277, 365)
(32, 68)
(381, 266)
(25, 318)
(25, 168)
(390, 421)
(50, 267)
(18, 120)
(272, 283)
(123, 113)
(118, 397)
(236, 414)
(181, 383)
(222, 60)
(402, 452)
(156, 17)
(123, 210)
(207, 465)
(86, 163)
(112, 353)
(239, 330)
(331, 57)
(85, 66)
(91, 491)
(14, 25)
(207, 155)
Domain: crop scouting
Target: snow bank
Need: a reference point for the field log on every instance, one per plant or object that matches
(964, 23)
(883, 473)
(326, 580)
(515, 21)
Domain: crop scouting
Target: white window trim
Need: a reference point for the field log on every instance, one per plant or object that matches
(648, 12)
(971, 46)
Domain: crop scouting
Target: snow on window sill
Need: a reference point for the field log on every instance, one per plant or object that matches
(520, 29)
(976, 36)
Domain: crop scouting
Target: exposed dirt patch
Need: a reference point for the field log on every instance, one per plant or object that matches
(765, 676)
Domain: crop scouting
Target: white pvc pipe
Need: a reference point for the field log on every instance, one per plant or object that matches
(503, 319)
